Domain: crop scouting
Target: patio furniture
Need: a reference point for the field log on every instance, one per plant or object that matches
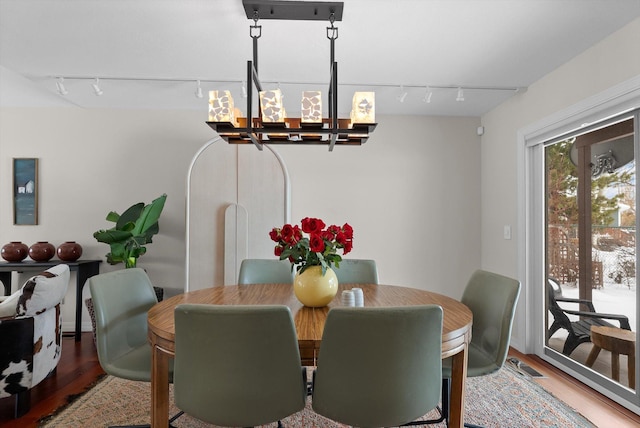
(617, 341)
(579, 331)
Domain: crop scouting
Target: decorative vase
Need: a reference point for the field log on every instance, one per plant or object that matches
(42, 251)
(314, 289)
(69, 251)
(14, 251)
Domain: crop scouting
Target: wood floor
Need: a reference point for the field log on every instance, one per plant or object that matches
(79, 368)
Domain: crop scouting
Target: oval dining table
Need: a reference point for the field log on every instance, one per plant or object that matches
(309, 323)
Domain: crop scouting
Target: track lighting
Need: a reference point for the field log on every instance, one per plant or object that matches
(96, 87)
(460, 96)
(427, 96)
(198, 92)
(60, 86)
(403, 94)
(244, 89)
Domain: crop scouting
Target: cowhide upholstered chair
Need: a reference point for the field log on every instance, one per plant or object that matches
(31, 334)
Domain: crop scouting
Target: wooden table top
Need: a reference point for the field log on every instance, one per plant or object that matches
(309, 322)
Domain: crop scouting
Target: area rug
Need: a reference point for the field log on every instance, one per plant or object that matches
(507, 398)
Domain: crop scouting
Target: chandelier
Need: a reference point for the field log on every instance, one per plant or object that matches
(272, 125)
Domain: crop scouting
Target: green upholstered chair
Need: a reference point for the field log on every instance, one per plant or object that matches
(265, 271)
(379, 366)
(237, 365)
(357, 271)
(121, 300)
(492, 299)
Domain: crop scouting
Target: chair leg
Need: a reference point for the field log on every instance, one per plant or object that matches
(444, 410)
(176, 416)
(569, 345)
(23, 403)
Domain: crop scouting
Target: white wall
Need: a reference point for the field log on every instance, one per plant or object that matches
(95, 161)
(604, 65)
(411, 193)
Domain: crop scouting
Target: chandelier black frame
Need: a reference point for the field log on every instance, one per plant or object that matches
(332, 130)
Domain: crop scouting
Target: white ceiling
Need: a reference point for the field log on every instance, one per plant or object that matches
(381, 45)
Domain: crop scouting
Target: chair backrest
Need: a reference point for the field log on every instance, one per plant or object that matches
(121, 300)
(379, 366)
(237, 365)
(265, 271)
(357, 271)
(492, 299)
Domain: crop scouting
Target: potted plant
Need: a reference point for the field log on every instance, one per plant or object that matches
(132, 231)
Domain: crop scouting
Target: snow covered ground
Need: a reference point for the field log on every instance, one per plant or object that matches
(612, 298)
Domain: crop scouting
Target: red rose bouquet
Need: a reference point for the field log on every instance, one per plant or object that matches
(320, 246)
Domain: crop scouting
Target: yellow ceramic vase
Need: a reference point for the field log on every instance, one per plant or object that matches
(314, 289)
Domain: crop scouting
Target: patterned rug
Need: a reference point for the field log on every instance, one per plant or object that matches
(507, 398)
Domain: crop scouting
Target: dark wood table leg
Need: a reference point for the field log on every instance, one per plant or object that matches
(458, 378)
(159, 387)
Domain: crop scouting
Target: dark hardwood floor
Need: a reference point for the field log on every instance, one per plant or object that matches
(79, 369)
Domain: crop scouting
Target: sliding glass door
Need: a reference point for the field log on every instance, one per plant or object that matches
(590, 251)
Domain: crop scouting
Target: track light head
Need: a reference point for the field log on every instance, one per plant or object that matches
(96, 87)
(60, 86)
(427, 96)
(460, 96)
(244, 89)
(198, 92)
(403, 94)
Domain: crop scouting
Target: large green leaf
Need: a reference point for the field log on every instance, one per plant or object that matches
(149, 216)
(110, 236)
(132, 214)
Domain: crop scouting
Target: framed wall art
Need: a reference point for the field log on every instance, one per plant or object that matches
(25, 191)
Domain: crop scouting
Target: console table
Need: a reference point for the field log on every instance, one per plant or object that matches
(83, 268)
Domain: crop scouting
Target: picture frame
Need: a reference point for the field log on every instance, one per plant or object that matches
(25, 191)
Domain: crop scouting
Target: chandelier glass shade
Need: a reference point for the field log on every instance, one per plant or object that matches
(271, 125)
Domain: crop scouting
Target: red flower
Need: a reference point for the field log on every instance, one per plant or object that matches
(286, 232)
(329, 236)
(334, 229)
(316, 243)
(348, 230)
(320, 246)
(275, 234)
(312, 225)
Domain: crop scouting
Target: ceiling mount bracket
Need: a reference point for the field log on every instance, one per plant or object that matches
(293, 10)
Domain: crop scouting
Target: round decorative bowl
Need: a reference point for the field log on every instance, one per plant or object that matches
(42, 251)
(14, 251)
(69, 251)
